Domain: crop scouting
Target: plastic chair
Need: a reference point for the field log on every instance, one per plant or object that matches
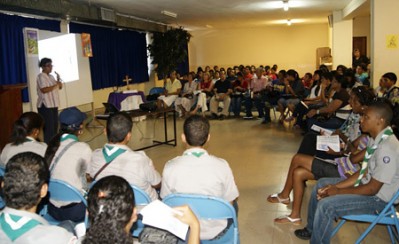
(157, 90)
(388, 217)
(209, 208)
(141, 199)
(2, 170)
(61, 191)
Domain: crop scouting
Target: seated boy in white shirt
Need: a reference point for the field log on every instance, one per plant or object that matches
(116, 158)
(197, 172)
(25, 184)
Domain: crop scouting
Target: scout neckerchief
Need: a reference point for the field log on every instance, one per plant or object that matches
(15, 226)
(349, 125)
(370, 151)
(194, 153)
(56, 159)
(109, 153)
(28, 139)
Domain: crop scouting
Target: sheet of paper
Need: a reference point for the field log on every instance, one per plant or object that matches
(320, 129)
(158, 214)
(325, 142)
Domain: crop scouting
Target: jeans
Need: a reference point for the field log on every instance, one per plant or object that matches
(321, 214)
(259, 104)
(236, 105)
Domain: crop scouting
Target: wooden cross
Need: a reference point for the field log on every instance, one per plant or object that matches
(127, 80)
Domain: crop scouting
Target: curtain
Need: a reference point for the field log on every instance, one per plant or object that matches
(116, 53)
(12, 55)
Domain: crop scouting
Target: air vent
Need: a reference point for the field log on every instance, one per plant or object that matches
(108, 15)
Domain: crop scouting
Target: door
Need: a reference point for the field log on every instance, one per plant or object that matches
(360, 42)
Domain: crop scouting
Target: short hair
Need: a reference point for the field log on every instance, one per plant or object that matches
(44, 61)
(25, 125)
(293, 73)
(341, 80)
(196, 129)
(118, 126)
(25, 174)
(110, 206)
(309, 75)
(391, 76)
(383, 108)
(327, 75)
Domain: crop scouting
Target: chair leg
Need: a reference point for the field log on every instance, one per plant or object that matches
(339, 225)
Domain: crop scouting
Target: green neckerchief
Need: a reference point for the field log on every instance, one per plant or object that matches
(111, 152)
(28, 139)
(194, 153)
(370, 151)
(69, 136)
(15, 226)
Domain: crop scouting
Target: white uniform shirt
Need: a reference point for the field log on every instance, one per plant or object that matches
(31, 145)
(40, 234)
(135, 167)
(72, 166)
(50, 99)
(204, 175)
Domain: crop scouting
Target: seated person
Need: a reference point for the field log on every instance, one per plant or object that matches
(365, 192)
(197, 172)
(307, 81)
(337, 110)
(25, 184)
(240, 86)
(258, 86)
(292, 95)
(184, 103)
(116, 158)
(112, 213)
(304, 167)
(172, 91)
(222, 90)
(206, 88)
(24, 137)
(391, 92)
(361, 75)
(68, 160)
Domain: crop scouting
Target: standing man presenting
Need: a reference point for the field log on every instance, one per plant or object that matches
(48, 98)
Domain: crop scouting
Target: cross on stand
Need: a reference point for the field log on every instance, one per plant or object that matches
(127, 80)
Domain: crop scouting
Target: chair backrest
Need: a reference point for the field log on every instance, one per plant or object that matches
(140, 196)
(61, 191)
(157, 90)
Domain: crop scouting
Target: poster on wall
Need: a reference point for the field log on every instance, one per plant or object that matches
(32, 46)
(86, 45)
(392, 41)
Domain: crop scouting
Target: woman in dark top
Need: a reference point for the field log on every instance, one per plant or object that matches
(337, 110)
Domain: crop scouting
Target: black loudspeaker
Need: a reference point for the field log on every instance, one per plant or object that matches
(149, 106)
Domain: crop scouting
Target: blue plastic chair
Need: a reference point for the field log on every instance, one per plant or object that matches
(388, 217)
(61, 191)
(157, 90)
(209, 208)
(141, 199)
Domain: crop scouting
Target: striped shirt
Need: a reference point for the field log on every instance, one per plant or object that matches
(50, 99)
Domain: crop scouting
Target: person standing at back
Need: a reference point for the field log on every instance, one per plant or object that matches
(48, 98)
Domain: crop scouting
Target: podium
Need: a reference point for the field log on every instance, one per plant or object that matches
(10, 109)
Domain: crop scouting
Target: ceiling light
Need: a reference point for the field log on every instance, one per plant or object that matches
(285, 5)
(289, 22)
(168, 13)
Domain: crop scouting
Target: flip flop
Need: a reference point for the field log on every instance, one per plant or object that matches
(285, 201)
(287, 219)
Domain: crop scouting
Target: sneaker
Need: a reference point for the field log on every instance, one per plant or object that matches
(266, 121)
(248, 117)
(303, 234)
(214, 116)
(222, 117)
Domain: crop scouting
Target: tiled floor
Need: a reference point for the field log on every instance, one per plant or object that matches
(259, 156)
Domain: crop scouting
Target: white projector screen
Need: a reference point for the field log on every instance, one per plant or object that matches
(65, 50)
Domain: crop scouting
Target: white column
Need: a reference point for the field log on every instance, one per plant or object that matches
(342, 33)
(384, 26)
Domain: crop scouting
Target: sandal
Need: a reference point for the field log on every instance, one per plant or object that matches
(274, 198)
(287, 219)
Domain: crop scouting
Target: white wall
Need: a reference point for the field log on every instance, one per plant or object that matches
(341, 40)
(361, 27)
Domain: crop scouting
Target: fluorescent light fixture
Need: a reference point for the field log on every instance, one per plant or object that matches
(168, 13)
(285, 5)
(289, 22)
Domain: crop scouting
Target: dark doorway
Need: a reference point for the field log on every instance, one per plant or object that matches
(360, 42)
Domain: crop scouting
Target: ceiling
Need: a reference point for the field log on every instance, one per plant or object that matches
(201, 14)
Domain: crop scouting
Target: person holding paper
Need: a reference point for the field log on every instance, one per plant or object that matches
(365, 192)
(305, 167)
(197, 172)
(48, 98)
(112, 213)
